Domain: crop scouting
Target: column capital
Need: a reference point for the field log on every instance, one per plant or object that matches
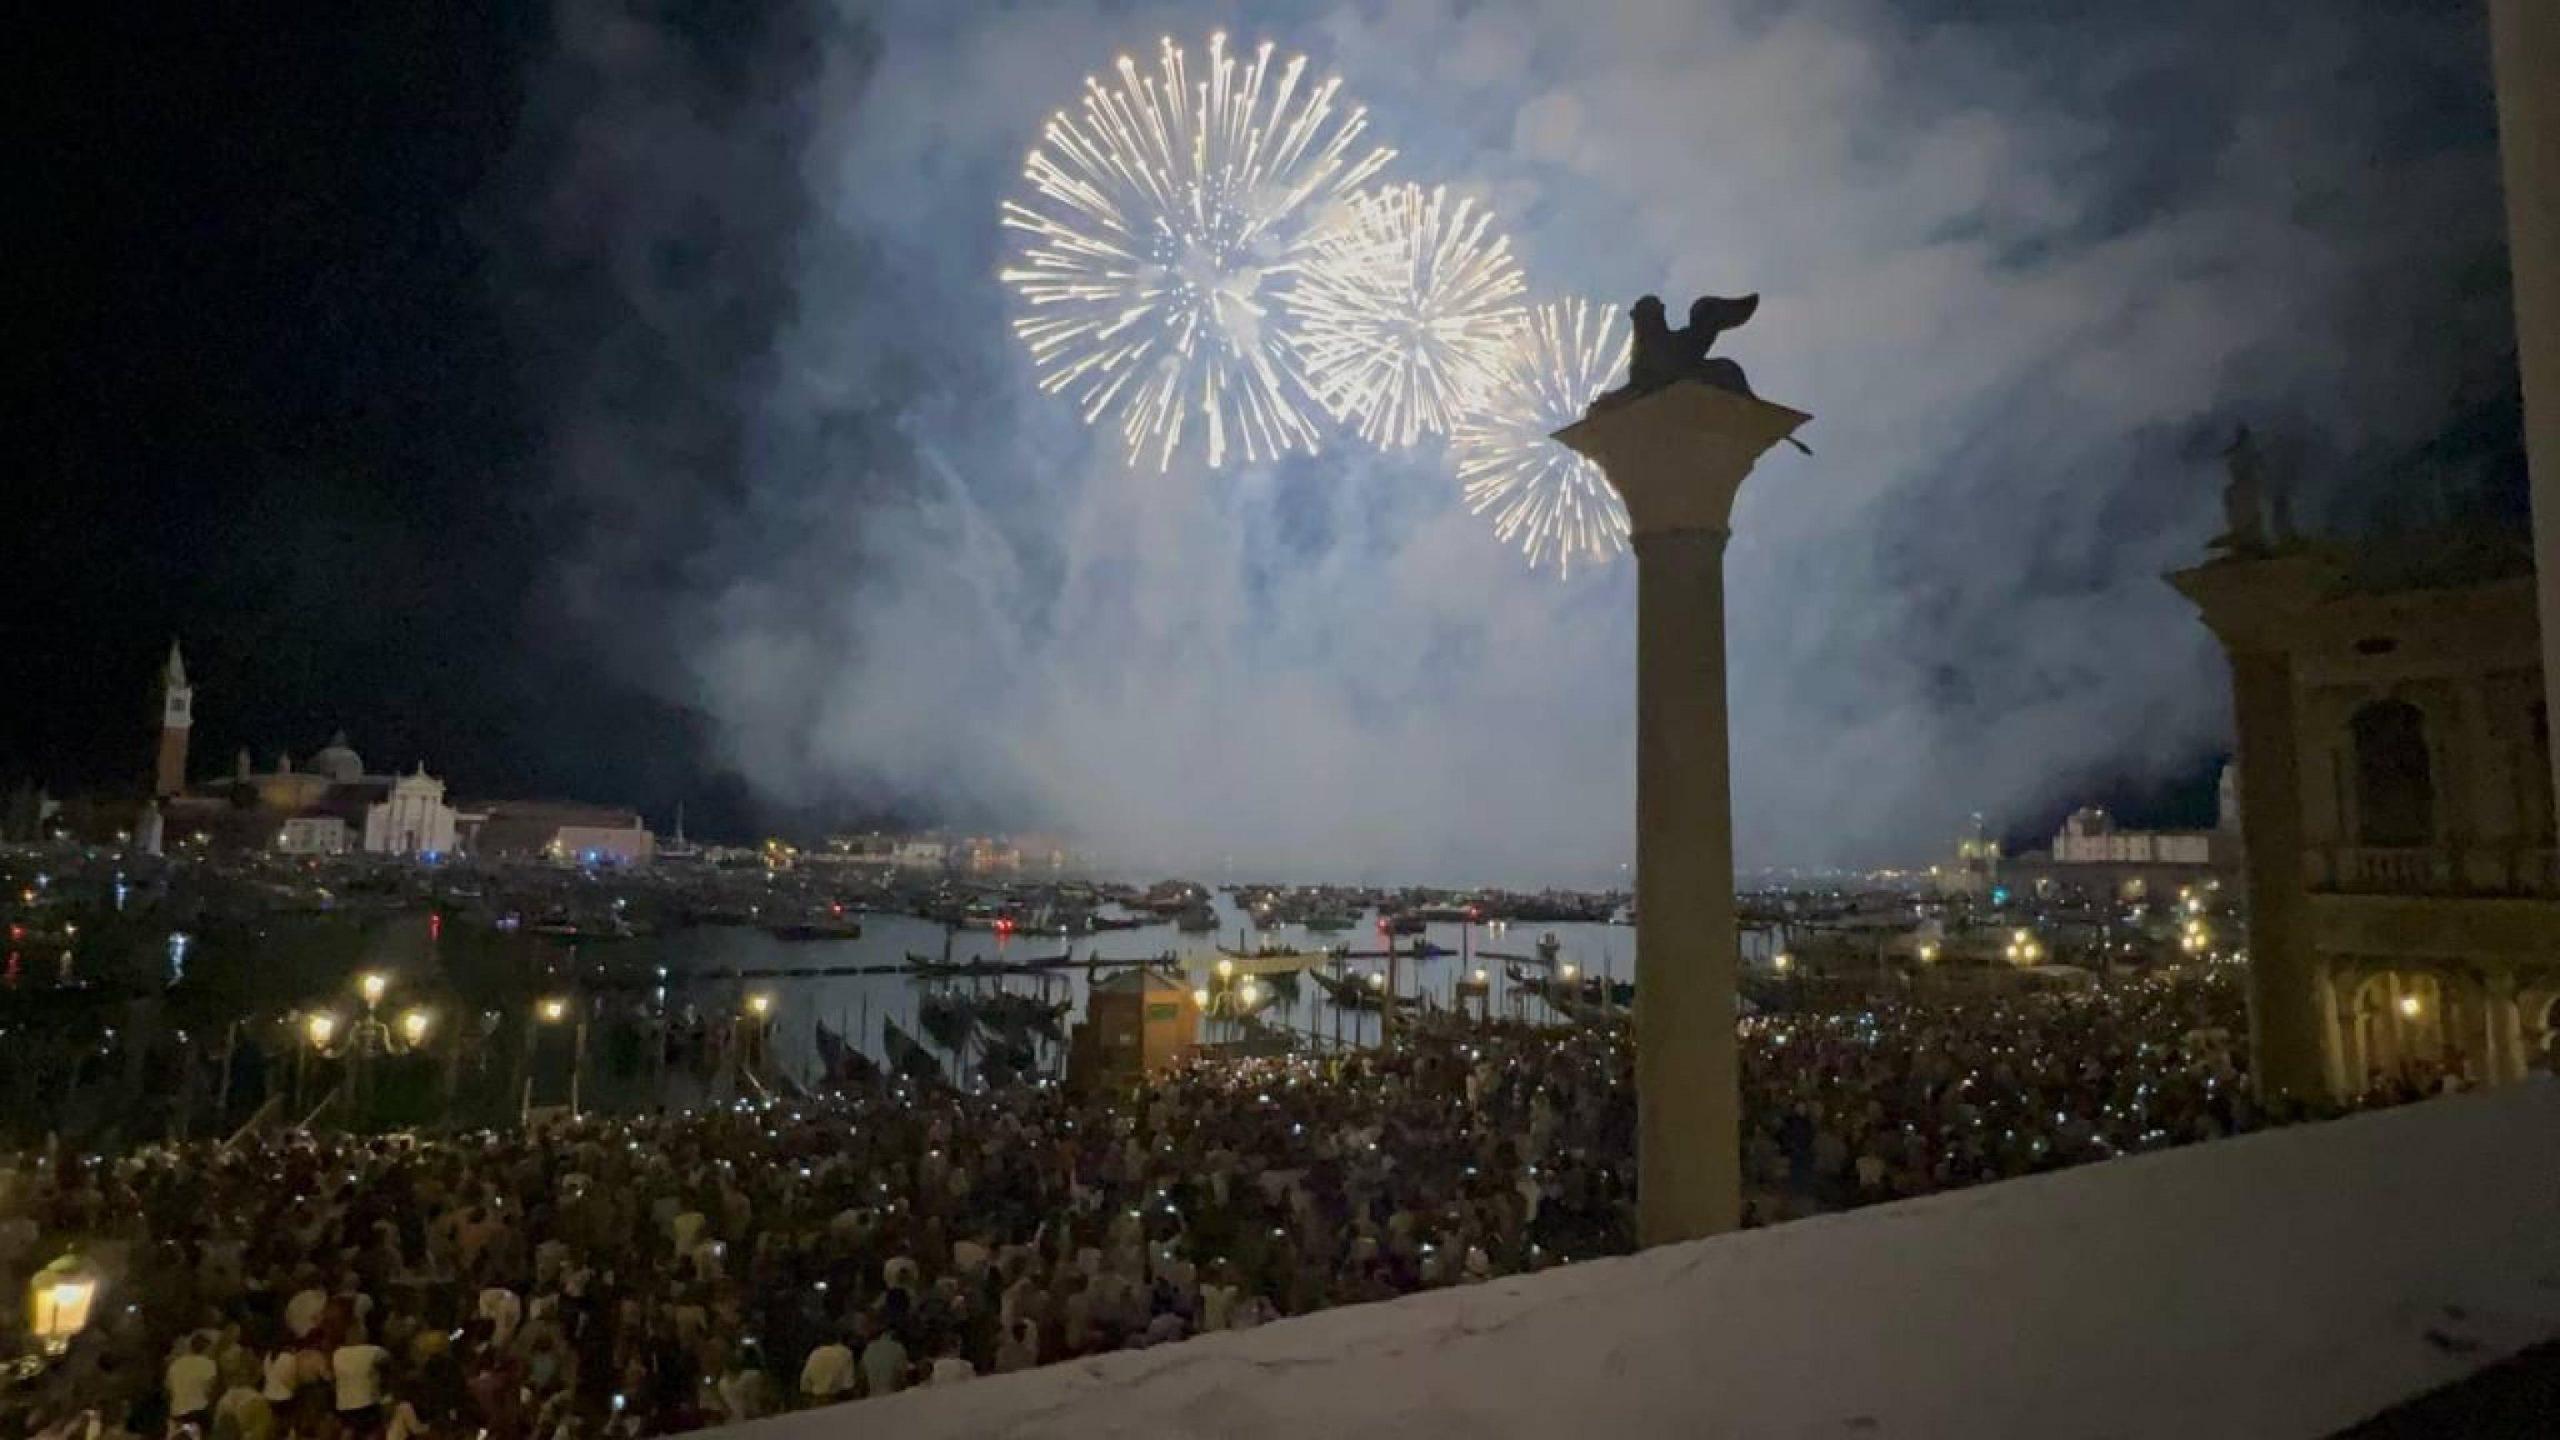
(1678, 455)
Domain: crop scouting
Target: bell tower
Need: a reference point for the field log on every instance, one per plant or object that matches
(177, 715)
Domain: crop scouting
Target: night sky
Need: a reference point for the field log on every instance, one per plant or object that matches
(614, 402)
(287, 412)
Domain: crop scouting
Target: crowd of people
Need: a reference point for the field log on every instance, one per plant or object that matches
(640, 1275)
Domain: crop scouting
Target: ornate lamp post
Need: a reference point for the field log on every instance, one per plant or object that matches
(59, 1302)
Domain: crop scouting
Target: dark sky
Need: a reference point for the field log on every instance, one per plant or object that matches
(279, 411)
(613, 400)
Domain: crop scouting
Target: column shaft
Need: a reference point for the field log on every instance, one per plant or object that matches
(2526, 44)
(1689, 1146)
(2285, 1023)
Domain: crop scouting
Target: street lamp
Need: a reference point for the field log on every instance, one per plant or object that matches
(59, 1301)
(1929, 952)
(760, 1004)
(1200, 997)
(551, 1010)
(1784, 961)
(2410, 1006)
(413, 1026)
(1226, 969)
(319, 1028)
(372, 985)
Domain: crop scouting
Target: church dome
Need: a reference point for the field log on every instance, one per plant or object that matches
(340, 764)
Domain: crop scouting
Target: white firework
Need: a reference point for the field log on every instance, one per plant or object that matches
(1408, 312)
(1163, 219)
(1552, 503)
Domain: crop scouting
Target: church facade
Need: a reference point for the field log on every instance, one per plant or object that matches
(329, 805)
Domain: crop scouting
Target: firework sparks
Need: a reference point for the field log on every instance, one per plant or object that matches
(1163, 219)
(1409, 312)
(1552, 503)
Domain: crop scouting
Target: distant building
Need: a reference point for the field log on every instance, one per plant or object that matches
(988, 855)
(562, 833)
(2090, 837)
(411, 818)
(312, 835)
(330, 805)
(921, 852)
(1976, 870)
(871, 849)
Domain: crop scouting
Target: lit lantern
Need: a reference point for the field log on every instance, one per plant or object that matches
(319, 1028)
(760, 1004)
(372, 986)
(1200, 997)
(413, 1026)
(59, 1302)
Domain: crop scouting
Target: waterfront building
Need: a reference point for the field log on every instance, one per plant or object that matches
(920, 852)
(411, 818)
(559, 832)
(314, 834)
(1976, 868)
(2094, 856)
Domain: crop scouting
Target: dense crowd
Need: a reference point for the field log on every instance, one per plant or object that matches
(646, 1275)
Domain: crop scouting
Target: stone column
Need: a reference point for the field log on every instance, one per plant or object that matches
(2249, 605)
(1678, 456)
(2526, 35)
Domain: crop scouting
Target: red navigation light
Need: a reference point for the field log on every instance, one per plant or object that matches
(435, 924)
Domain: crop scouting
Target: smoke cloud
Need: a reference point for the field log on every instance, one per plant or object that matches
(2025, 275)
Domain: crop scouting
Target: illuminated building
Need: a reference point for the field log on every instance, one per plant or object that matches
(559, 832)
(1976, 870)
(177, 719)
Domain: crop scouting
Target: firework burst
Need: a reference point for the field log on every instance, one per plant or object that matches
(1552, 503)
(1163, 219)
(1408, 311)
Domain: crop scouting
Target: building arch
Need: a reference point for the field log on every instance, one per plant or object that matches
(2402, 1030)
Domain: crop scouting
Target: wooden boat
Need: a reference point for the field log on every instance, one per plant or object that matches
(909, 1059)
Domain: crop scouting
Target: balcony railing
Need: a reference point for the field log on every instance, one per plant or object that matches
(2484, 870)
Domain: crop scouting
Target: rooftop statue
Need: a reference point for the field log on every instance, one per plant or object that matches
(2244, 499)
(1664, 357)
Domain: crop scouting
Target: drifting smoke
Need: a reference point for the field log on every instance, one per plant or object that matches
(2024, 274)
